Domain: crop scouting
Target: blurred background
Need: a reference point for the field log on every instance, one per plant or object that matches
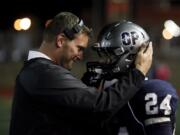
(22, 23)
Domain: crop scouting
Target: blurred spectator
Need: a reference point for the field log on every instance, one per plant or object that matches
(162, 72)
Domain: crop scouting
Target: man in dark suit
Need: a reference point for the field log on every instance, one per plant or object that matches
(49, 100)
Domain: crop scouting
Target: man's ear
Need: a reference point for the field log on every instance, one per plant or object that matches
(60, 40)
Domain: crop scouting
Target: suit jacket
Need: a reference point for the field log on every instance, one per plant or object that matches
(49, 100)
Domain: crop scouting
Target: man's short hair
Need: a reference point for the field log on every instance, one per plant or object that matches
(65, 22)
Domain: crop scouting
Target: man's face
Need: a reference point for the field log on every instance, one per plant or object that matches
(72, 50)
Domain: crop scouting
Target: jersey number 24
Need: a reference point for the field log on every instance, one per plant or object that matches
(153, 107)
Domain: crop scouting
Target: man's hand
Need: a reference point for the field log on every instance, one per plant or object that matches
(144, 58)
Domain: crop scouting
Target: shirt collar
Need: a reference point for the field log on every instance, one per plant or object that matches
(37, 54)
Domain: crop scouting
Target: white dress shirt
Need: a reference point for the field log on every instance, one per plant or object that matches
(37, 54)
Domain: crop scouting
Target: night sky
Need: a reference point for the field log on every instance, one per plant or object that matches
(38, 9)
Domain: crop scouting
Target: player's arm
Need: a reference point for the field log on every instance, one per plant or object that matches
(160, 109)
(155, 107)
(160, 129)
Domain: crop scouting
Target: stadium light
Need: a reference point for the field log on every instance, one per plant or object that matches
(166, 34)
(172, 28)
(25, 23)
(17, 24)
(22, 24)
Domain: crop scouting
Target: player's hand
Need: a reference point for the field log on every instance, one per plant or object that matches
(143, 60)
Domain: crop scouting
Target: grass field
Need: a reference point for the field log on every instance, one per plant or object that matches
(5, 106)
(178, 121)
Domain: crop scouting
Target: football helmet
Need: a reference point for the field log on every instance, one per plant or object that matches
(119, 43)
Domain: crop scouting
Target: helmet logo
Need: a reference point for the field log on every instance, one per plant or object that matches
(129, 38)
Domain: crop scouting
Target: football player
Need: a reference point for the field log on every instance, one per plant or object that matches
(152, 111)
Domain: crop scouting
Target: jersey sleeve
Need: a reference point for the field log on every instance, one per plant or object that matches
(155, 107)
(165, 128)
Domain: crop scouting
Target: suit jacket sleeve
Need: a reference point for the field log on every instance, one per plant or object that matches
(56, 87)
